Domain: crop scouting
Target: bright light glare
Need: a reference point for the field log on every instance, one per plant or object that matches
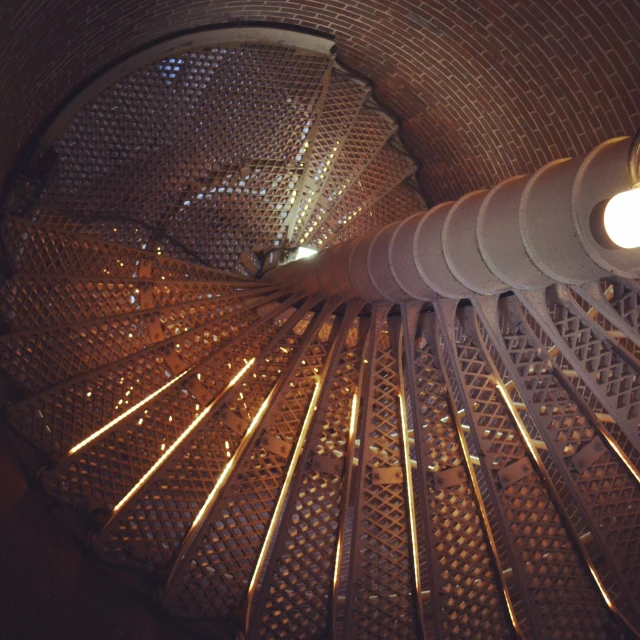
(126, 414)
(282, 499)
(184, 435)
(232, 463)
(304, 252)
(622, 219)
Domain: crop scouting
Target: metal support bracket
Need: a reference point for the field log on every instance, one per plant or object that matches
(198, 390)
(328, 464)
(234, 421)
(387, 475)
(275, 445)
(449, 477)
(146, 296)
(514, 472)
(155, 328)
(145, 268)
(173, 360)
(589, 454)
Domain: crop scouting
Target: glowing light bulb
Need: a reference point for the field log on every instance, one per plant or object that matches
(622, 219)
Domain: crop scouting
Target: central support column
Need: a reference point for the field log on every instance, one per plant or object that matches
(525, 233)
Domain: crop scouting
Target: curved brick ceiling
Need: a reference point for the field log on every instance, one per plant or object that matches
(484, 90)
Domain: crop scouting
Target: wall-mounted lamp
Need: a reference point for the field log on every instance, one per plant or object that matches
(622, 213)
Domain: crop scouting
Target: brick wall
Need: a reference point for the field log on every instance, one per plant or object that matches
(485, 90)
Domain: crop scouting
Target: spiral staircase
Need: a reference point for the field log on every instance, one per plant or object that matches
(269, 462)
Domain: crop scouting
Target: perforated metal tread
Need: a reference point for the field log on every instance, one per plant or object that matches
(173, 481)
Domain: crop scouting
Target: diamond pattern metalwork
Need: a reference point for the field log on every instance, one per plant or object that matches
(242, 177)
(368, 134)
(214, 569)
(389, 167)
(401, 202)
(108, 467)
(379, 599)
(582, 345)
(342, 104)
(555, 584)
(308, 534)
(605, 492)
(152, 525)
(456, 564)
(45, 248)
(112, 389)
